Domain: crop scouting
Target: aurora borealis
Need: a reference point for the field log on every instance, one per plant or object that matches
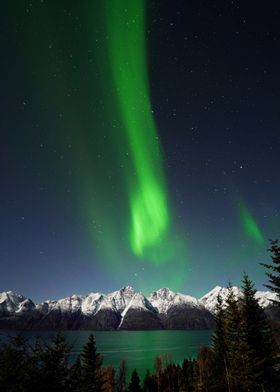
(250, 226)
(147, 194)
(140, 144)
(149, 211)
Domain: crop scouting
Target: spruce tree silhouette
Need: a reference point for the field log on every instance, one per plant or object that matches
(273, 272)
(92, 380)
(134, 385)
(257, 334)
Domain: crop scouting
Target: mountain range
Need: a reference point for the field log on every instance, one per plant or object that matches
(124, 309)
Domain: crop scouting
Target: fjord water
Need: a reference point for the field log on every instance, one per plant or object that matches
(138, 348)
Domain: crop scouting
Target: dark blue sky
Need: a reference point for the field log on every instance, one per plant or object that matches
(215, 92)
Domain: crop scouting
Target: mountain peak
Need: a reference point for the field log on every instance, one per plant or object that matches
(216, 288)
(122, 309)
(11, 303)
(139, 301)
(210, 299)
(164, 298)
(121, 298)
(127, 289)
(164, 292)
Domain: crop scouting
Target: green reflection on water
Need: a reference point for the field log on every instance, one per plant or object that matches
(138, 348)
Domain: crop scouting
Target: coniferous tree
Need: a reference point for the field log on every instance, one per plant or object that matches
(187, 375)
(257, 334)
(14, 359)
(52, 359)
(121, 377)
(92, 380)
(158, 369)
(231, 326)
(239, 369)
(204, 362)
(150, 383)
(220, 376)
(134, 385)
(247, 343)
(75, 379)
(274, 269)
(169, 380)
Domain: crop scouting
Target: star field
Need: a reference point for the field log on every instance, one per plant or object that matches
(214, 89)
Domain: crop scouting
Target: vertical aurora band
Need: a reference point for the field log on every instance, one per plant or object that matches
(148, 201)
(250, 226)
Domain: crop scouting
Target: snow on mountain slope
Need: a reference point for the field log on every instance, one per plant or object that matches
(266, 298)
(11, 303)
(93, 302)
(25, 306)
(139, 314)
(121, 298)
(209, 300)
(88, 304)
(163, 299)
(119, 302)
(139, 302)
(71, 304)
(68, 304)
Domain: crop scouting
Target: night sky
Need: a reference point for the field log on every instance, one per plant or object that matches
(139, 144)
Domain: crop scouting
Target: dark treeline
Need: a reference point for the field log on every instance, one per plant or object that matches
(244, 356)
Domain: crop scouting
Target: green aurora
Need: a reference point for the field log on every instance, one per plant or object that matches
(249, 224)
(135, 230)
(91, 99)
(149, 211)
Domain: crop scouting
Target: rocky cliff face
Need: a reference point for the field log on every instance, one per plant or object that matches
(11, 303)
(124, 309)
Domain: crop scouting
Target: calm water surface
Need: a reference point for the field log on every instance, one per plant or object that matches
(137, 348)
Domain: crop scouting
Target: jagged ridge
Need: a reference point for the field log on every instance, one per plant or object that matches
(122, 309)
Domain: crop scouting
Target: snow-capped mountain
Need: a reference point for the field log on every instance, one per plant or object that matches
(209, 300)
(91, 303)
(11, 303)
(266, 298)
(122, 309)
(163, 299)
(138, 301)
(180, 311)
(139, 314)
